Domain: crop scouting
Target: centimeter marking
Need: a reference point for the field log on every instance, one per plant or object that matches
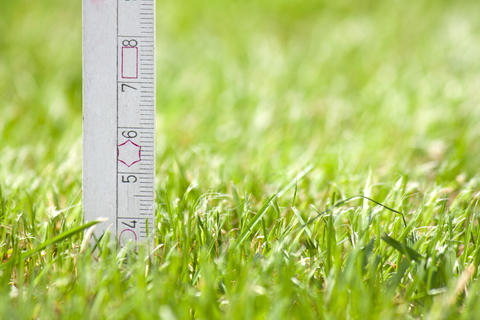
(119, 116)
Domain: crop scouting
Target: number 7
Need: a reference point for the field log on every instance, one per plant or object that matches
(126, 85)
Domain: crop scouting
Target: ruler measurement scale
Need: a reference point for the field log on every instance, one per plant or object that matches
(119, 116)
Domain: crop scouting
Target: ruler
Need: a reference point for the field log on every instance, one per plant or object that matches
(119, 117)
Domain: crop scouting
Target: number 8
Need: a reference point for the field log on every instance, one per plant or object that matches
(130, 43)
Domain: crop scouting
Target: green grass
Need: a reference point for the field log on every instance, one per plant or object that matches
(268, 113)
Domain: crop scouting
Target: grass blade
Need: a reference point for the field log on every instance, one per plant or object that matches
(60, 237)
(403, 248)
(248, 229)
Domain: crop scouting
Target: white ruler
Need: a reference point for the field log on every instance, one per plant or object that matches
(119, 117)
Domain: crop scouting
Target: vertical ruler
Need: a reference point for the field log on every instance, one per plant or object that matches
(119, 117)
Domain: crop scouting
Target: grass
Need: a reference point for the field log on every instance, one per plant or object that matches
(269, 115)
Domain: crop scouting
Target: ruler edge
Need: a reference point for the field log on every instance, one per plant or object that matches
(151, 217)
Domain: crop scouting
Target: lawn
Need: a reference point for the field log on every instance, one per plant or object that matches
(277, 121)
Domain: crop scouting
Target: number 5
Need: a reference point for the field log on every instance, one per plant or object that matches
(134, 179)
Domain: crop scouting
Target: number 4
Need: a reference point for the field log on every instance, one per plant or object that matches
(130, 226)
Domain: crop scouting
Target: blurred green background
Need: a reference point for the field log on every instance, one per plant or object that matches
(248, 90)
